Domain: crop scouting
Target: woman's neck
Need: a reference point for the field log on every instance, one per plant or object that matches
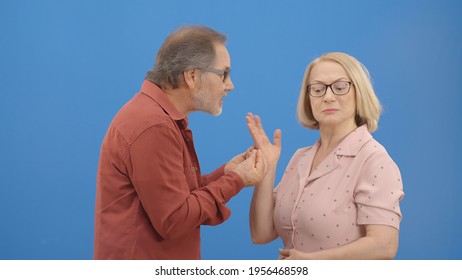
(331, 136)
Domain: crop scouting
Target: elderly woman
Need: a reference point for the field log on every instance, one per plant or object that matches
(338, 199)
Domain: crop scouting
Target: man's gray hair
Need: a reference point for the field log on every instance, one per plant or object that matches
(186, 48)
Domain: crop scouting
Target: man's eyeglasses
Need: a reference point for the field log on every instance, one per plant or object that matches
(338, 88)
(224, 73)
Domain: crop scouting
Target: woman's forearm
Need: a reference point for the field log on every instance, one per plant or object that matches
(380, 243)
(262, 210)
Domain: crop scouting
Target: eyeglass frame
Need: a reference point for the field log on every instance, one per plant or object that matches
(308, 87)
(224, 73)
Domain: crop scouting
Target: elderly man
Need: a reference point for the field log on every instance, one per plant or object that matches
(151, 198)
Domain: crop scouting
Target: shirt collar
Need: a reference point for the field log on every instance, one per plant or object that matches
(353, 142)
(153, 91)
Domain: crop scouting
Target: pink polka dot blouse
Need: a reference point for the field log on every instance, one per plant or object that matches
(357, 184)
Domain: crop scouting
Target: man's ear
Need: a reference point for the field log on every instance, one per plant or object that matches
(191, 78)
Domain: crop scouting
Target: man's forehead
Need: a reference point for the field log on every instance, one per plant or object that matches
(222, 56)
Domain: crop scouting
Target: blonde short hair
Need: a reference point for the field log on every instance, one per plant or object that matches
(368, 107)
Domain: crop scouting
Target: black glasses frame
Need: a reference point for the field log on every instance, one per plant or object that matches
(308, 88)
(224, 73)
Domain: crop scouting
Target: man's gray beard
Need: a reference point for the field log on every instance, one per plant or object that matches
(200, 102)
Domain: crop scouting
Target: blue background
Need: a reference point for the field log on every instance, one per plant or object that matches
(66, 67)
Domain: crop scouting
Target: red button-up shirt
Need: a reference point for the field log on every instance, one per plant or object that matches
(151, 198)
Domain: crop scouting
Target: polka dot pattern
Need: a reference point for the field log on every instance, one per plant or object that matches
(357, 184)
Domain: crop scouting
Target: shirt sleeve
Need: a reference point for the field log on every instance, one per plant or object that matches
(160, 180)
(379, 191)
(213, 176)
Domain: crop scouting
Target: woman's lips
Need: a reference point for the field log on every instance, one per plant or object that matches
(329, 110)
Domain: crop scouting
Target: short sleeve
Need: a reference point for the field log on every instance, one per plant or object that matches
(379, 191)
